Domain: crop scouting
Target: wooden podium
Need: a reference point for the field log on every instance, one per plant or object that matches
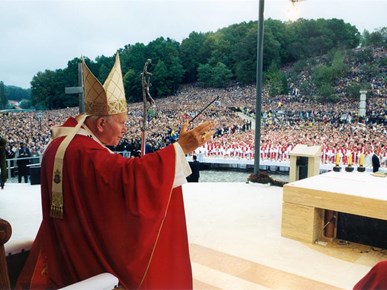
(304, 163)
(304, 160)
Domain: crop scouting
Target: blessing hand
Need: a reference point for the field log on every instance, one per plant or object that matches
(189, 140)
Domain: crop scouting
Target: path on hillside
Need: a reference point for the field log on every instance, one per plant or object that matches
(248, 118)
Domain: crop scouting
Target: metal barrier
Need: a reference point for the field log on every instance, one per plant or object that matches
(34, 161)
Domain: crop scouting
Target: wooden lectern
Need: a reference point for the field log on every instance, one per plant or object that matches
(304, 160)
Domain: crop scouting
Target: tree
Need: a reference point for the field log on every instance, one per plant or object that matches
(378, 38)
(48, 91)
(16, 93)
(245, 57)
(3, 98)
(278, 36)
(192, 52)
(339, 66)
(218, 76)
(134, 57)
(327, 94)
(160, 77)
(166, 77)
(105, 65)
(25, 104)
(317, 37)
(276, 80)
(133, 86)
(204, 75)
(216, 58)
(70, 73)
(221, 75)
(168, 71)
(41, 88)
(365, 38)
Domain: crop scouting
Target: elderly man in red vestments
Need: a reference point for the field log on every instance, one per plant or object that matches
(105, 213)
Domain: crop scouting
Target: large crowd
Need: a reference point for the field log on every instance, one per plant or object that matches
(286, 120)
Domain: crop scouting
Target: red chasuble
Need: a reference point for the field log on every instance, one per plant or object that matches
(119, 216)
(376, 278)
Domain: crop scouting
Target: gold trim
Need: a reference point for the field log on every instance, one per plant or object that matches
(106, 99)
(56, 210)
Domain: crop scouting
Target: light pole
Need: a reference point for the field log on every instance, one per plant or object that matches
(258, 101)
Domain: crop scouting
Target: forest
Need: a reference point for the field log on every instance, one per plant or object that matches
(220, 59)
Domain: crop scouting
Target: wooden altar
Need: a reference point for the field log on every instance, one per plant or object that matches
(305, 201)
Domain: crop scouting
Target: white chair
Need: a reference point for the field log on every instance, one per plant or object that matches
(13, 256)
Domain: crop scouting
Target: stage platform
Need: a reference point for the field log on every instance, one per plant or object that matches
(265, 164)
(235, 239)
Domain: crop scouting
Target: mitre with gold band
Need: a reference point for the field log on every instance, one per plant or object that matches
(100, 100)
(106, 99)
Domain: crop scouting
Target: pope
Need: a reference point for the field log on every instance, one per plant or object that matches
(105, 213)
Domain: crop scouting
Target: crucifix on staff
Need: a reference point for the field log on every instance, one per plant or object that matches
(148, 101)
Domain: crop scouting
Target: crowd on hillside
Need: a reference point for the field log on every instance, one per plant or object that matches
(286, 120)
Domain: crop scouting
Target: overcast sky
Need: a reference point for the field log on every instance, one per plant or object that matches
(36, 35)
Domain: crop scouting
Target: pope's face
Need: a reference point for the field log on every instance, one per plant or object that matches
(114, 129)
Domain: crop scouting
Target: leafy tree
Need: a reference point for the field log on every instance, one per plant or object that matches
(105, 65)
(41, 88)
(245, 56)
(166, 78)
(176, 73)
(160, 77)
(3, 98)
(133, 86)
(168, 71)
(343, 35)
(192, 52)
(217, 76)
(327, 94)
(71, 73)
(16, 93)
(339, 67)
(378, 38)
(276, 40)
(204, 75)
(235, 46)
(25, 104)
(276, 80)
(134, 57)
(221, 75)
(317, 37)
(216, 58)
(48, 90)
(365, 38)
(322, 75)
(271, 51)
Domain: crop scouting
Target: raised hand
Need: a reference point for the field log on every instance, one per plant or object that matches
(189, 140)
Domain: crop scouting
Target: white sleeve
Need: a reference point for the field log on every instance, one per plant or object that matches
(182, 168)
